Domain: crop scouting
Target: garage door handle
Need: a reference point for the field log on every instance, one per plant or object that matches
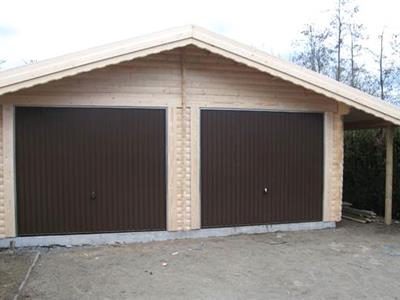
(265, 190)
(93, 196)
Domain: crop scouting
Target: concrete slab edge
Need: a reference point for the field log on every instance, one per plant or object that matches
(150, 236)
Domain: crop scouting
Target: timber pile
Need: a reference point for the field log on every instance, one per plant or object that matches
(357, 215)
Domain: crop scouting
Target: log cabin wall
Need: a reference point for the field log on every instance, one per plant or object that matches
(183, 81)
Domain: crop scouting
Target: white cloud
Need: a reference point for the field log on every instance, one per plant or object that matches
(45, 28)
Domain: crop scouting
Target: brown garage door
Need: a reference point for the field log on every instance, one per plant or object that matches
(244, 153)
(85, 170)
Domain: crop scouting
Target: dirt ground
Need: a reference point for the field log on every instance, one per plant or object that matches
(13, 268)
(353, 261)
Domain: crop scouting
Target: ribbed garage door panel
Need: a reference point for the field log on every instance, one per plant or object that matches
(244, 152)
(63, 155)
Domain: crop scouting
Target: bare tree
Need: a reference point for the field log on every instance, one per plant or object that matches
(338, 51)
(356, 36)
(386, 71)
(355, 51)
(381, 71)
(312, 51)
(338, 22)
(344, 27)
(395, 45)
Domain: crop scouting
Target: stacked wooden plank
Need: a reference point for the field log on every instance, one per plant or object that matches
(357, 215)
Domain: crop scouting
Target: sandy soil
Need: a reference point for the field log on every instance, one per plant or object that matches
(354, 261)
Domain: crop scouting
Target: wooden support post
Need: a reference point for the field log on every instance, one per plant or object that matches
(9, 171)
(389, 175)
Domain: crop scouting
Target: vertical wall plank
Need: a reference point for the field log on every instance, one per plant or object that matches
(389, 132)
(328, 148)
(9, 181)
(195, 167)
(171, 175)
(2, 205)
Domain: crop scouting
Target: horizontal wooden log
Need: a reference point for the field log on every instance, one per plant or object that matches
(366, 124)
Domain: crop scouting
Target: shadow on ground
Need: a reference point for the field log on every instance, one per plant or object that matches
(353, 261)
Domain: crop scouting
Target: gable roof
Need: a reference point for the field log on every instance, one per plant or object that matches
(56, 68)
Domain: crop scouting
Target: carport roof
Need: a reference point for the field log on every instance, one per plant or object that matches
(68, 65)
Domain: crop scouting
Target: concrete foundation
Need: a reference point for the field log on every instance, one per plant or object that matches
(143, 237)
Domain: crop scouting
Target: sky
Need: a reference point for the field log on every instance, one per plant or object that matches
(40, 29)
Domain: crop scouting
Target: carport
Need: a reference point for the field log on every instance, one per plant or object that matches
(358, 120)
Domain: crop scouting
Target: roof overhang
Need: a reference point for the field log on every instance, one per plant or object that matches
(99, 57)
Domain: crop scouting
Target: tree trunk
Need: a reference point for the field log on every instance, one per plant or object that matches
(339, 42)
(381, 77)
(352, 71)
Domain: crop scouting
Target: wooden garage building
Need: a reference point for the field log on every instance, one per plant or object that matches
(175, 131)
